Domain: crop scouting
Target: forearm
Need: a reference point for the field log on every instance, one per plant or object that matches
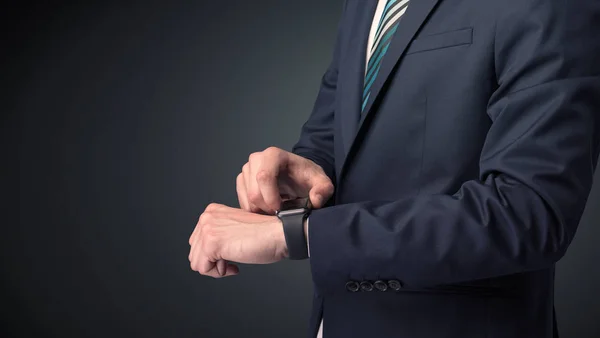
(519, 215)
(437, 239)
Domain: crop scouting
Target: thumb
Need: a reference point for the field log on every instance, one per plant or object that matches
(321, 191)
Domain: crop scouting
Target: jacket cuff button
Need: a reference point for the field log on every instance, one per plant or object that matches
(366, 286)
(352, 286)
(380, 285)
(395, 284)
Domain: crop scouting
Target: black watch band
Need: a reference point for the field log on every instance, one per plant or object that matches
(293, 230)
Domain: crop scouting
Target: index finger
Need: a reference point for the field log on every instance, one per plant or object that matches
(274, 161)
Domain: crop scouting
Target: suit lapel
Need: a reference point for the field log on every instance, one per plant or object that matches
(409, 24)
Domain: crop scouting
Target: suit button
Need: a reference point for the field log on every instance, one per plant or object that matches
(394, 285)
(380, 285)
(352, 286)
(366, 286)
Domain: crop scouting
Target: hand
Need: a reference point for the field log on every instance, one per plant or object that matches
(230, 234)
(275, 173)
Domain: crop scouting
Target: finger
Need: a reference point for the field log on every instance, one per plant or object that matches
(212, 269)
(195, 256)
(254, 194)
(221, 267)
(308, 177)
(193, 235)
(207, 267)
(242, 193)
(320, 194)
(321, 189)
(190, 255)
(247, 174)
(209, 209)
(231, 270)
(273, 161)
(192, 246)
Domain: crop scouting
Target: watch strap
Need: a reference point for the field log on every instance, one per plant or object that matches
(293, 230)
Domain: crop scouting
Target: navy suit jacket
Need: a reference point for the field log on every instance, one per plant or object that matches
(466, 179)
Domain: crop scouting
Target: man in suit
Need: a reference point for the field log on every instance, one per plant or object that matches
(449, 157)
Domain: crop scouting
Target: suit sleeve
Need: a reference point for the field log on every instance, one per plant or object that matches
(536, 170)
(316, 137)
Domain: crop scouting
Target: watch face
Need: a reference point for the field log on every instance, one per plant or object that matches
(297, 203)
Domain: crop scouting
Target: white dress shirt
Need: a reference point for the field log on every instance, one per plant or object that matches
(375, 23)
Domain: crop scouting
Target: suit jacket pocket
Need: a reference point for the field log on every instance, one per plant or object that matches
(441, 40)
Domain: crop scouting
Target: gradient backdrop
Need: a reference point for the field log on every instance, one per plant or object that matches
(122, 121)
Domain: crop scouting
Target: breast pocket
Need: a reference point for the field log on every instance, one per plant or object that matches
(454, 38)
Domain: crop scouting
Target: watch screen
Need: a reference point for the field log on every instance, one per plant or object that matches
(297, 203)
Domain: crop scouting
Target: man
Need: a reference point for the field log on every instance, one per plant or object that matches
(448, 158)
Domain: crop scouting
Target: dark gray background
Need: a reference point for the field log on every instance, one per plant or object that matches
(124, 121)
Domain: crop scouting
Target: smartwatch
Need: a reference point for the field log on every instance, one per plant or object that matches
(292, 214)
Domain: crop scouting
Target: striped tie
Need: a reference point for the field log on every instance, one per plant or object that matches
(388, 24)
